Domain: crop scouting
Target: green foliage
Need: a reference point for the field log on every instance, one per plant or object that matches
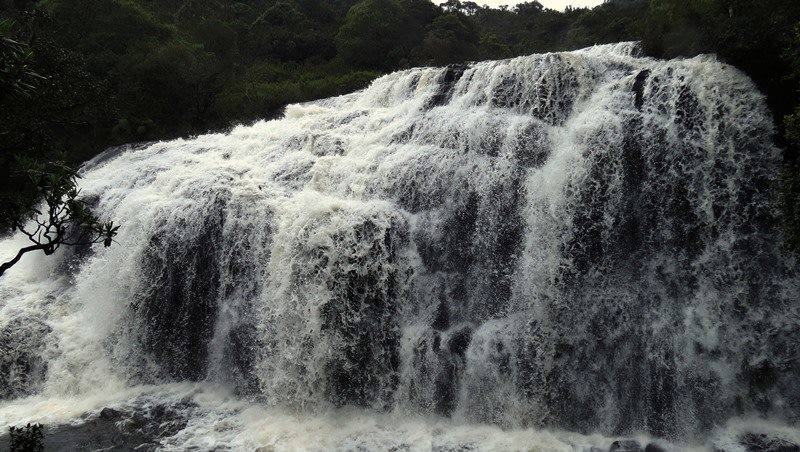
(267, 88)
(62, 217)
(607, 23)
(103, 29)
(177, 67)
(790, 174)
(451, 38)
(29, 438)
(171, 83)
(17, 78)
(373, 35)
(491, 47)
(30, 176)
(217, 38)
(790, 205)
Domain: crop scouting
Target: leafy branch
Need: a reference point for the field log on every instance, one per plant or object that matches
(64, 219)
(16, 59)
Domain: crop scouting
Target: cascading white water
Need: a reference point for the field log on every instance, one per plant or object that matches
(577, 241)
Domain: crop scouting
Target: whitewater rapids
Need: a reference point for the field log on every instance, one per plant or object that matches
(486, 256)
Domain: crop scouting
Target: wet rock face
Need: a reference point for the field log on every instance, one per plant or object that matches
(180, 306)
(446, 86)
(362, 318)
(124, 428)
(761, 442)
(22, 364)
(343, 315)
(638, 88)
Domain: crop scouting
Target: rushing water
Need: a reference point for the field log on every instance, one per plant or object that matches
(485, 256)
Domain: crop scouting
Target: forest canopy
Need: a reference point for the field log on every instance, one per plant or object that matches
(116, 71)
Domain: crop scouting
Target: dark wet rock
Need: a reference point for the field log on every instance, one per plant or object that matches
(447, 84)
(110, 414)
(453, 447)
(96, 434)
(116, 429)
(446, 387)
(625, 445)
(114, 152)
(459, 341)
(442, 320)
(653, 447)
(399, 447)
(368, 340)
(110, 430)
(437, 341)
(22, 344)
(239, 358)
(454, 251)
(638, 88)
(551, 101)
(532, 145)
(178, 308)
(689, 112)
(761, 442)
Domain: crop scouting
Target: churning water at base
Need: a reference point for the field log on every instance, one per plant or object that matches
(483, 256)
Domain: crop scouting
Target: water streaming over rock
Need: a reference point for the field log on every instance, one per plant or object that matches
(579, 241)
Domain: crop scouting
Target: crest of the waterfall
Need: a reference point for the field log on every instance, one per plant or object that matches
(583, 240)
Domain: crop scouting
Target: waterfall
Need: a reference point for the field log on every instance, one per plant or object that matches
(582, 241)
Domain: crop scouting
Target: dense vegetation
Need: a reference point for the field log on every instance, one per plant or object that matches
(116, 71)
(39, 195)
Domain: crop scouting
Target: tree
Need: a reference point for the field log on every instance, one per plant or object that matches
(451, 38)
(490, 47)
(63, 218)
(373, 35)
(170, 83)
(453, 6)
(471, 8)
(790, 189)
(790, 175)
(529, 8)
(17, 78)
